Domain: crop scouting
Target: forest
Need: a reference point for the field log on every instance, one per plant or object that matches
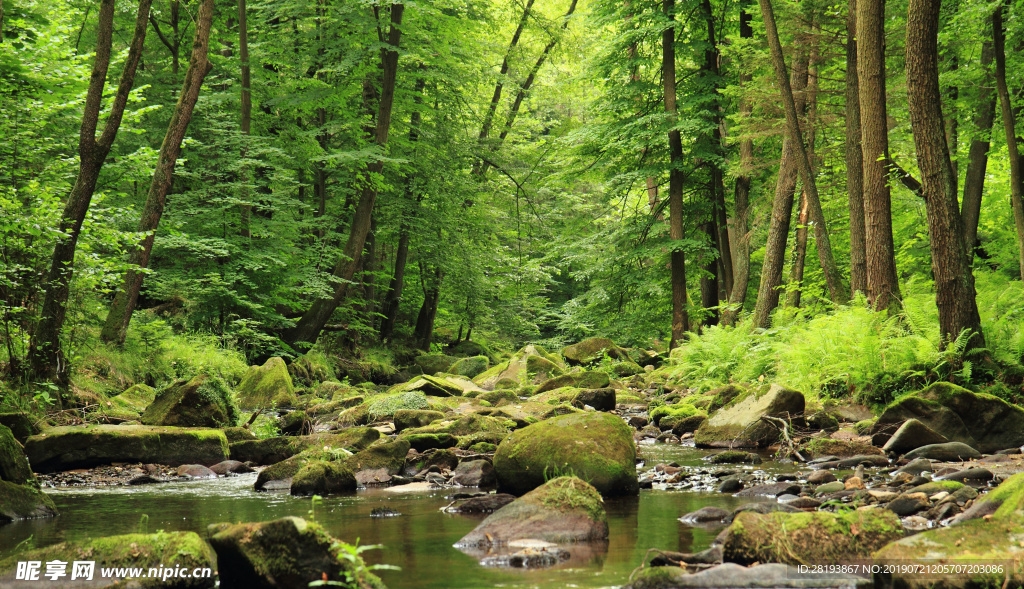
(316, 216)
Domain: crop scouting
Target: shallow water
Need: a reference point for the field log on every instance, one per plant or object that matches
(419, 541)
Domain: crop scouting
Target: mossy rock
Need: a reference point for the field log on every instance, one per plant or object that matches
(20, 425)
(384, 407)
(412, 418)
(599, 399)
(565, 380)
(330, 389)
(135, 398)
(677, 411)
(320, 477)
(358, 415)
(593, 379)
(531, 365)
(423, 442)
(840, 448)
(680, 425)
(483, 448)
(464, 425)
(389, 456)
(499, 397)
(739, 423)
(295, 423)
(434, 363)
(597, 447)
(23, 502)
(626, 368)
(85, 446)
(14, 467)
(238, 434)
(442, 458)
(274, 450)
(471, 348)
(984, 422)
(170, 550)
(332, 407)
(466, 442)
(556, 396)
(288, 552)
(203, 401)
(563, 510)
(809, 538)
(310, 369)
(723, 396)
(592, 350)
(471, 367)
(264, 386)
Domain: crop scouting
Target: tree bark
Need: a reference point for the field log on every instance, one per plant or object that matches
(837, 290)
(1016, 181)
(680, 317)
(45, 355)
(120, 315)
(796, 271)
(954, 283)
(854, 158)
(882, 285)
(977, 156)
(309, 326)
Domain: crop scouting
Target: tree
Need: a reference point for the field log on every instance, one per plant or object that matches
(854, 158)
(680, 317)
(1016, 178)
(951, 268)
(120, 314)
(45, 356)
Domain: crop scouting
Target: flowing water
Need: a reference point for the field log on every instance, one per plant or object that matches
(419, 541)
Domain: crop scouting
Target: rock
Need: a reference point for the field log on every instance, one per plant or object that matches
(264, 386)
(809, 537)
(855, 461)
(387, 455)
(196, 471)
(734, 457)
(739, 424)
(424, 442)
(529, 558)
(591, 350)
(274, 450)
(1004, 502)
(947, 452)
(238, 434)
(470, 367)
(474, 473)
(531, 365)
(374, 476)
(434, 363)
(841, 448)
(285, 553)
(734, 576)
(908, 504)
(804, 503)
(730, 485)
(597, 447)
(23, 502)
(230, 466)
(684, 425)
(20, 424)
(432, 386)
(912, 435)
(705, 515)
(770, 490)
(592, 379)
(820, 476)
(295, 423)
(984, 422)
(600, 399)
(916, 467)
(144, 479)
(853, 483)
(762, 508)
(320, 477)
(484, 503)
(86, 446)
(934, 488)
(409, 418)
(974, 476)
(829, 488)
(169, 550)
(203, 401)
(637, 421)
(565, 509)
(14, 467)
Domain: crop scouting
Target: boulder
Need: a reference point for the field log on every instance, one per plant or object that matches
(195, 471)
(389, 456)
(474, 473)
(434, 363)
(912, 435)
(20, 425)
(285, 553)
(269, 385)
(320, 477)
(274, 450)
(739, 423)
(488, 503)
(238, 434)
(23, 502)
(947, 452)
(597, 447)
(169, 550)
(230, 467)
(600, 399)
(203, 401)
(409, 418)
(817, 537)
(563, 510)
(470, 367)
(984, 422)
(705, 515)
(1005, 502)
(433, 386)
(531, 365)
(14, 467)
(734, 576)
(86, 446)
(591, 350)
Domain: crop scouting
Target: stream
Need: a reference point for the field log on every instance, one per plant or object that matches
(419, 541)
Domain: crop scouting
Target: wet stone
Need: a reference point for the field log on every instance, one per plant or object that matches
(820, 477)
(770, 490)
(705, 515)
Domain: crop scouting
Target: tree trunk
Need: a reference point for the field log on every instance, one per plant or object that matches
(120, 315)
(854, 158)
(954, 283)
(977, 156)
(312, 322)
(45, 355)
(796, 271)
(492, 109)
(882, 285)
(1016, 181)
(246, 125)
(423, 333)
(680, 318)
(828, 264)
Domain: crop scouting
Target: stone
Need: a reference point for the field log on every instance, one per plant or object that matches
(908, 504)
(828, 488)
(739, 424)
(387, 455)
(761, 507)
(529, 558)
(915, 467)
(274, 450)
(14, 467)
(410, 418)
(484, 503)
(1004, 502)
(295, 423)
(984, 422)
(195, 471)
(597, 447)
(819, 477)
(947, 452)
(563, 510)
(21, 425)
(532, 365)
(266, 386)
(593, 379)
(770, 490)
(592, 350)
(730, 485)
(734, 576)
(734, 457)
(23, 502)
(600, 399)
(434, 363)
(809, 537)
(285, 553)
(912, 435)
(705, 515)
(804, 503)
(85, 446)
(203, 401)
(974, 476)
(474, 473)
(320, 477)
(470, 367)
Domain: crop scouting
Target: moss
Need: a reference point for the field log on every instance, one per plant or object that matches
(493, 438)
(14, 466)
(20, 425)
(267, 385)
(540, 365)
(483, 448)
(629, 400)
(320, 477)
(570, 493)
(679, 410)
(840, 448)
(421, 442)
(203, 401)
(464, 425)
(135, 398)
(387, 406)
(499, 397)
(471, 367)
(411, 418)
(23, 502)
(659, 577)
(434, 363)
(864, 426)
(937, 487)
(387, 455)
(591, 350)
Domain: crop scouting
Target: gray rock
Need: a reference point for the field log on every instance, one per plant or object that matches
(916, 467)
(739, 425)
(196, 471)
(529, 558)
(474, 473)
(948, 452)
(770, 490)
(730, 485)
(230, 466)
(970, 475)
(734, 576)
(705, 515)
(820, 477)
(912, 435)
(905, 505)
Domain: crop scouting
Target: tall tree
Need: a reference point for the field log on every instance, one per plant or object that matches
(1012, 148)
(882, 285)
(680, 317)
(854, 158)
(977, 155)
(246, 104)
(312, 322)
(46, 357)
(954, 283)
(116, 326)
